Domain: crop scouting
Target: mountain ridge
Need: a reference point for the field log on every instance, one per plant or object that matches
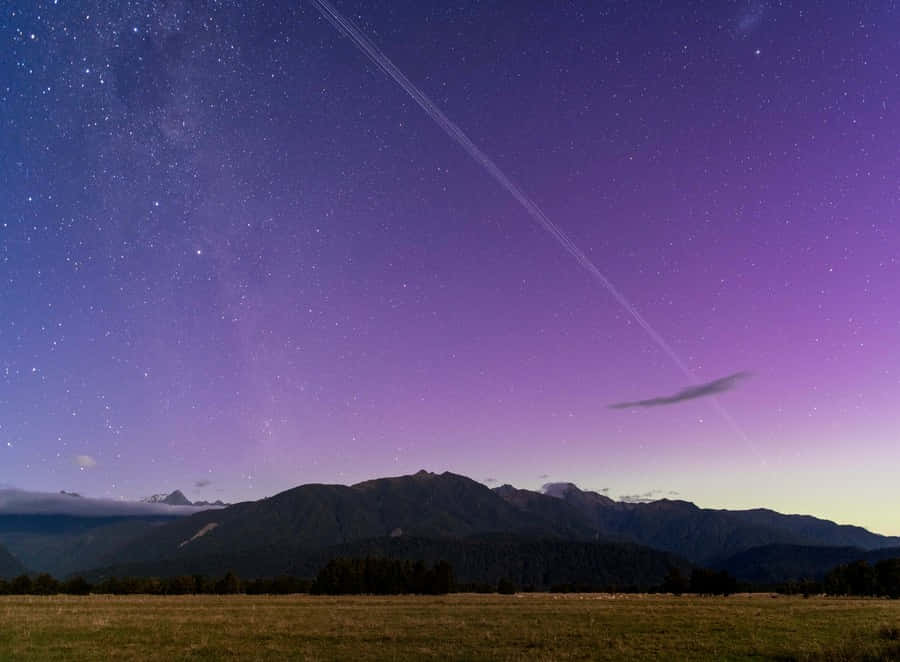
(447, 507)
(450, 506)
(176, 498)
(706, 535)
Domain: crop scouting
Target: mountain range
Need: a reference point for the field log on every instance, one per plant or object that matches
(700, 534)
(177, 498)
(558, 536)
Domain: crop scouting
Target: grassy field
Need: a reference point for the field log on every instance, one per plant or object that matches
(455, 627)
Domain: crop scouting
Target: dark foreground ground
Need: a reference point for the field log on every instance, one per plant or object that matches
(455, 627)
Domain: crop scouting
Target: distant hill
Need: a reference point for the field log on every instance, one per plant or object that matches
(816, 531)
(9, 565)
(699, 534)
(774, 564)
(62, 544)
(63, 532)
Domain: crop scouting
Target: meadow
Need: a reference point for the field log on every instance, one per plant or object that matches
(452, 627)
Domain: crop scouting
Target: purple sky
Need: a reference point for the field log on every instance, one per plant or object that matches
(234, 251)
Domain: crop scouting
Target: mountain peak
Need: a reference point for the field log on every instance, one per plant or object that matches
(175, 498)
(559, 490)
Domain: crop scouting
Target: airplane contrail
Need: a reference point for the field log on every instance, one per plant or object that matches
(348, 28)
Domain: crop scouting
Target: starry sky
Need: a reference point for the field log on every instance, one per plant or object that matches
(237, 257)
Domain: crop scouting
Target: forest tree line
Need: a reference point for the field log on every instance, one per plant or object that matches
(339, 576)
(380, 576)
(861, 578)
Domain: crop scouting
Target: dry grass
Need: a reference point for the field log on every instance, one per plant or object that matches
(455, 627)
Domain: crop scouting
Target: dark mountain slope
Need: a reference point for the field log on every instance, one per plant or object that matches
(9, 565)
(538, 563)
(699, 534)
(774, 564)
(814, 530)
(683, 528)
(61, 544)
(426, 505)
(678, 527)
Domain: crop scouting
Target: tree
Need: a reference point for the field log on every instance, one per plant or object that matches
(861, 578)
(887, 577)
(45, 585)
(675, 582)
(376, 576)
(76, 586)
(857, 578)
(204, 584)
(21, 585)
(180, 585)
(710, 582)
(441, 577)
(229, 584)
(506, 587)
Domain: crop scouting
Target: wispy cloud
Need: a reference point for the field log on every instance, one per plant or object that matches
(690, 393)
(559, 489)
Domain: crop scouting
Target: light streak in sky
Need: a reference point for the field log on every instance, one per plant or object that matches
(348, 28)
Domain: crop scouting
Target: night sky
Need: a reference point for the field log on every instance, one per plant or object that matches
(236, 256)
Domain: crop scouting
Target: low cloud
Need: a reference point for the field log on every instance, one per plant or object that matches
(647, 497)
(85, 462)
(490, 481)
(560, 489)
(21, 502)
(690, 393)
